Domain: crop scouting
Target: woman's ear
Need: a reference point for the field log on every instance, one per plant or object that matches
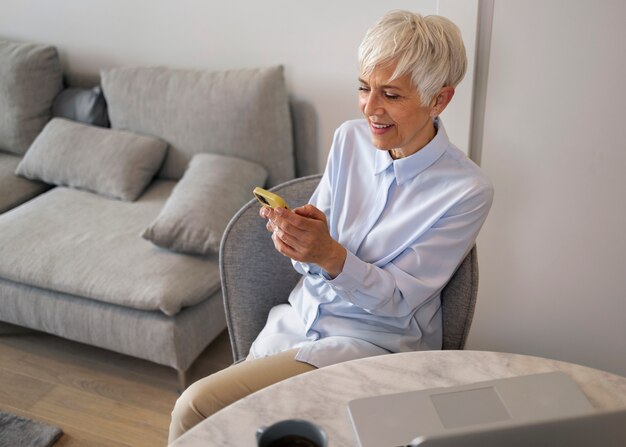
(441, 100)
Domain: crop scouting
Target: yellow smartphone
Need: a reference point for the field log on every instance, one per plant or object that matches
(269, 198)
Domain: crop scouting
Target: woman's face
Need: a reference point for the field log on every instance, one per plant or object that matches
(397, 119)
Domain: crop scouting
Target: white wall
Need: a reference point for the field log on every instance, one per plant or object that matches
(552, 269)
(457, 116)
(316, 41)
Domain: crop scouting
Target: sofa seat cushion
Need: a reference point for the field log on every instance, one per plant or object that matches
(14, 189)
(87, 245)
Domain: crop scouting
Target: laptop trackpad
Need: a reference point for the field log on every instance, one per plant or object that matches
(465, 408)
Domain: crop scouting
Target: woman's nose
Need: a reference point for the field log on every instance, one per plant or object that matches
(372, 105)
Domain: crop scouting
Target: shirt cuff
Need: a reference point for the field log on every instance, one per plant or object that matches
(352, 276)
(307, 269)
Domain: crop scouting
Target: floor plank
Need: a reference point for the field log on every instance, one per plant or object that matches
(20, 390)
(113, 420)
(98, 397)
(70, 438)
(93, 378)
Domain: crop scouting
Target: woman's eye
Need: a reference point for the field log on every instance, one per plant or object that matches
(362, 88)
(391, 96)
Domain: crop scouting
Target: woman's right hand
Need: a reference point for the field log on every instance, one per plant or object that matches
(303, 235)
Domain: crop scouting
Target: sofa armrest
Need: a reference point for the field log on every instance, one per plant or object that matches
(255, 277)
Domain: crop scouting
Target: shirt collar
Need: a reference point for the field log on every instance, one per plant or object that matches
(406, 168)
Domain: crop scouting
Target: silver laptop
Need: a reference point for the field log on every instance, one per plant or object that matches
(596, 429)
(398, 419)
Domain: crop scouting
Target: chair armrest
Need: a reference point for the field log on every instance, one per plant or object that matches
(255, 277)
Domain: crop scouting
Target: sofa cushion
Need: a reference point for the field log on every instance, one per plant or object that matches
(212, 190)
(85, 105)
(14, 189)
(242, 113)
(30, 78)
(84, 244)
(109, 162)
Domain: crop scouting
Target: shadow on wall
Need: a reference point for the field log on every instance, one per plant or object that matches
(305, 137)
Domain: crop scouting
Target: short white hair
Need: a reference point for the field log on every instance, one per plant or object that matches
(430, 49)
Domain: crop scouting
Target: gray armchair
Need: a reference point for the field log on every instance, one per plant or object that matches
(255, 277)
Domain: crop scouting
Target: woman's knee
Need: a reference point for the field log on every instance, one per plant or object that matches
(209, 395)
(186, 411)
(204, 398)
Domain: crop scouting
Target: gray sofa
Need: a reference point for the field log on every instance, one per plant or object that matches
(110, 236)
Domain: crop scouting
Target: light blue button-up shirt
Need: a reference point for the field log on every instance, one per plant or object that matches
(406, 225)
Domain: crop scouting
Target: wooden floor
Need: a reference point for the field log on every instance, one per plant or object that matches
(99, 398)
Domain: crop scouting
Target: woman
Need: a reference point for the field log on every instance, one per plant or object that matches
(397, 209)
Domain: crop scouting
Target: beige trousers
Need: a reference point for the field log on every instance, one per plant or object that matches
(212, 393)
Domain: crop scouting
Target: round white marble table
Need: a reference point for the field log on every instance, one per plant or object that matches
(322, 396)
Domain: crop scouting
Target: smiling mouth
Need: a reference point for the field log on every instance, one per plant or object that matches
(381, 126)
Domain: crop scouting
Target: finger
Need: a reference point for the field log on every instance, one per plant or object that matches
(281, 246)
(283, 236)
(311, 212)
(290, 245)
(299, 226)
(284, 217)
(285, 249)
(290, 223)
(265, 212)
(306, 237)
(298, 248)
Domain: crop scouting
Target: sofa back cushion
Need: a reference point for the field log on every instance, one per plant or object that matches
(242, 113)
(197, 212)
(85, 105)
(30, 78)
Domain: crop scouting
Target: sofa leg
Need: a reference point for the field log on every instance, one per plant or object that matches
(182, 380)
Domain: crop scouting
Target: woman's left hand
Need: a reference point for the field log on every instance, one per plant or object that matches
(303, 235)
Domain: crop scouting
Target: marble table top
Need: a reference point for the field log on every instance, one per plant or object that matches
(322, 396)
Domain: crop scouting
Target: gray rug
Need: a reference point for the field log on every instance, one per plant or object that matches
(16, 431)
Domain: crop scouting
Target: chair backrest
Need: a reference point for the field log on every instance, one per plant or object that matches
(255, 277)
(458, 300)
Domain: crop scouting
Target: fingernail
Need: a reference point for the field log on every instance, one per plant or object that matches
(279, 211)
